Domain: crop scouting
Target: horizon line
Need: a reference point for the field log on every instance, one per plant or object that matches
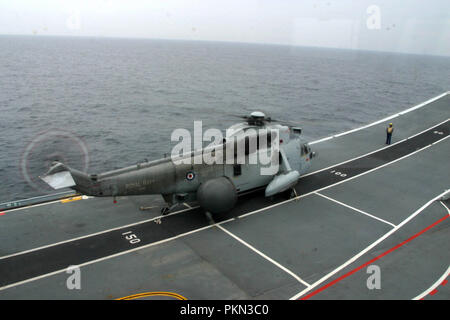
(224, 41)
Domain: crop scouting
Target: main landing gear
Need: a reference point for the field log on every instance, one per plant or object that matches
(164, 210)
(293, 194)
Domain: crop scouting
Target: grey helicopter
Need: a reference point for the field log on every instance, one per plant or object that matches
(214, 186)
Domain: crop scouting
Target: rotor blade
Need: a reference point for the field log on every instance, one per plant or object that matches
(285, 122)
(240, 116)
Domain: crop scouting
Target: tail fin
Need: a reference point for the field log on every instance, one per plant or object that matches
(61, 176)
(58, 176)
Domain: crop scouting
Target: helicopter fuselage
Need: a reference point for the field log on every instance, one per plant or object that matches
(215, 185)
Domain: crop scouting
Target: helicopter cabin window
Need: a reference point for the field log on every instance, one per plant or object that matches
(237, 170)
(249, 147)
(268, 139)
(304, 150)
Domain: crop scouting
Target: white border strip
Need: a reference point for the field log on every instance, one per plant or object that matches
(384, 119)
(448, 210)
(242, 216)
(96, 233)
(371, 152)
(434, 286)
(346, 180)
(357, 210)
(361, 253)
(107, 257)
(84, 197)
(68, 193)
(442, 278)
(265, 256)
(313, 142)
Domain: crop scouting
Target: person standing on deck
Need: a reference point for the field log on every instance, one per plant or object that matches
(389, 131)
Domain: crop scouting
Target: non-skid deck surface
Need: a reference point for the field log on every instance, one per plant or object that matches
(363, 205)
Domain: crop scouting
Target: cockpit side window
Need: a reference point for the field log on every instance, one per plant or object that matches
(304, 149)
(268, 140)
(248, 144)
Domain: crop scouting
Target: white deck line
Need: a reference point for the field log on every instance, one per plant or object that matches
(296, 277)
(448, 210)
(44, 196)
(367, 249)
(355, 209)
(223, 222)
(96, 233)
(31, 206)
(186, 205)
(314, 142)
(84, 197)
(346, 180)
(242, 216)
(433, 286)
(156, 243)
(106, 258)
(384, 119)
(371, 152)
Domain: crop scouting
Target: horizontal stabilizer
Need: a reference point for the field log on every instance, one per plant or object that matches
(59, 180)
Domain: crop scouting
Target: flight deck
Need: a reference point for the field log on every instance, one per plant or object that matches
(370, 221)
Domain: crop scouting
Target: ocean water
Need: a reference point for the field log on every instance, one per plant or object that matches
(118, 100)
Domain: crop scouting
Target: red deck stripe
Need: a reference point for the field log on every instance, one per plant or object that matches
(432, 293)
(373, 260)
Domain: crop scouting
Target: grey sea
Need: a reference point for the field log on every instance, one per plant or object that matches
(101, 103)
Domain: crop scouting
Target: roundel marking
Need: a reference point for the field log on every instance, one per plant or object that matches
(190, 176)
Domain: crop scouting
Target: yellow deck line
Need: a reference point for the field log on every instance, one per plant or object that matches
(150, 294)
(71, 199)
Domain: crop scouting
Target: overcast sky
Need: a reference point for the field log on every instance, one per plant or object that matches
(411, 26)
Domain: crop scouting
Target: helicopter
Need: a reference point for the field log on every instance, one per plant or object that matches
(214, 186)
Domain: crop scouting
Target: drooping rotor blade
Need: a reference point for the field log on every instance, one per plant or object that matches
(285, 122)
(258, 117)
